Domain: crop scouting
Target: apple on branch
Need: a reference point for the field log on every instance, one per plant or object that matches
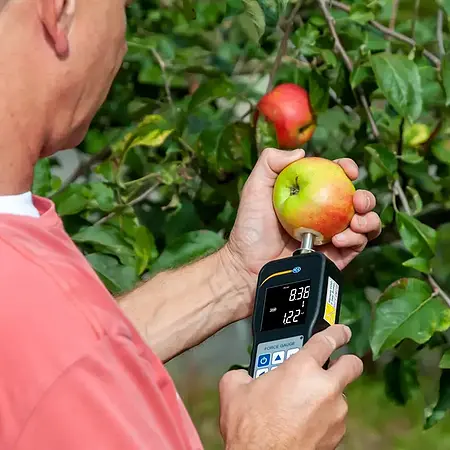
(288, 109)
(314, 195)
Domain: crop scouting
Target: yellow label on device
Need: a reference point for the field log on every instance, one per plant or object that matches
(331, 302)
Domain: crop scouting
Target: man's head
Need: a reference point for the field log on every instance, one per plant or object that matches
(58, 59)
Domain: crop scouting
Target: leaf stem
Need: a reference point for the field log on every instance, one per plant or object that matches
(392, 33)
(414, 19)
(139, 180)
(440, 33)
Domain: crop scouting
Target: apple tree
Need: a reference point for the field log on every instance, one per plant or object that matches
(163, 165)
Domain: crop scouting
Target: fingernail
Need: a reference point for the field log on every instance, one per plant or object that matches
(367, 202)
(339, 238)
(362, 221)
(348, 331)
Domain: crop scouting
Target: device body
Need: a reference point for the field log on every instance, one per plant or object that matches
(296, 297)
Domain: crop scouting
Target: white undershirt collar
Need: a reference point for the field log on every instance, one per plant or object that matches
(20, 205)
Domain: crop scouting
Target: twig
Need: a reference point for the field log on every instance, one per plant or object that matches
(438, 289)
(414, 19)
(394, 12)
(83, 167)
(392, 33)
(133, 202)
(398, 190)
(283, 45)
(349, 64)
(338, 101)
(440, 33)
(162, 65)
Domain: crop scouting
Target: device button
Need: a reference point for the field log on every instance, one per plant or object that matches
(291, 352)
(261, 372)
(264, 360)
(277, 357)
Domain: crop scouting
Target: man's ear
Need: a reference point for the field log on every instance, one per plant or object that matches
(57, 17)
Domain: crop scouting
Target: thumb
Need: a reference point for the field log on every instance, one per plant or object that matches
(271, 162)
(232, 381)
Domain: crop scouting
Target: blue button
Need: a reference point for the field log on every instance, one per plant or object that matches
(264, 360)
(296, 269)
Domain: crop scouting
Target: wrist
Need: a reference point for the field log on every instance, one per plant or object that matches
(242, 283)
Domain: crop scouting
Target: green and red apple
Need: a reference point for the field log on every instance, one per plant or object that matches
(287, 108)
(314, 195)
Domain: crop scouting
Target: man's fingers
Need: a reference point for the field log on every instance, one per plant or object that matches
(349, 166)
(366, 223)
(323, 344)
(272, 161)
(346, 369)
(350, 239)
(233, 380)
(364, 201)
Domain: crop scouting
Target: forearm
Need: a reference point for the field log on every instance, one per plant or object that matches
(179, 309)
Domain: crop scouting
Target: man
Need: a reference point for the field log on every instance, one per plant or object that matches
(77, 373)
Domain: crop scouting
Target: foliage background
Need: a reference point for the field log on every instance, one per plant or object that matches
(161, 170)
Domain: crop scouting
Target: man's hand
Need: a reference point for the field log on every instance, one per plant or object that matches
(258, 237)
(297, 406)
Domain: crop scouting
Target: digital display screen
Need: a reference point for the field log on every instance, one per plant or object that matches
(286, 305)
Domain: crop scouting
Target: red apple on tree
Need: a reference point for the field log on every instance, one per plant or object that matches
(287, 107)
(314, 195)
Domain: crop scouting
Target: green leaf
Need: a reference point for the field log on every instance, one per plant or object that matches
(42, 181)
(152, 131)
(418, 203)
(360, 74)
(446, 77)
(401, 379)
(441, 150)
(361, 14)
(187, 248)
(445, 360)
(445, 5)
(108, 239)
(420, 264)
(318, 92)
(399, 79)
(252, 20)
(103, 196)
(384, 158)
(443, 403)
(117, 278)
(440, 264)
(236, 148)
(418, 238)
(410, 156)
(273, 10)
(387, 214)
(144, 248)
(407, 310)
(73, 200)
(209, 91)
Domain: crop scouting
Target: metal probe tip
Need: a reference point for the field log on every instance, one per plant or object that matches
(307, 244)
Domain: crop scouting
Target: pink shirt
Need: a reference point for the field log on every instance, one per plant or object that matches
(74, 373)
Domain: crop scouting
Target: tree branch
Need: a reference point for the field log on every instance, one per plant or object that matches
(349, 64)
(162, 65)
(82, 168)
(440, 33)
(393, 19)
(414, 19)
(391, 33)
(283, 45)
(133, 202)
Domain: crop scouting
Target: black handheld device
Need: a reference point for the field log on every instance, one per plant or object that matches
(296, 297)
